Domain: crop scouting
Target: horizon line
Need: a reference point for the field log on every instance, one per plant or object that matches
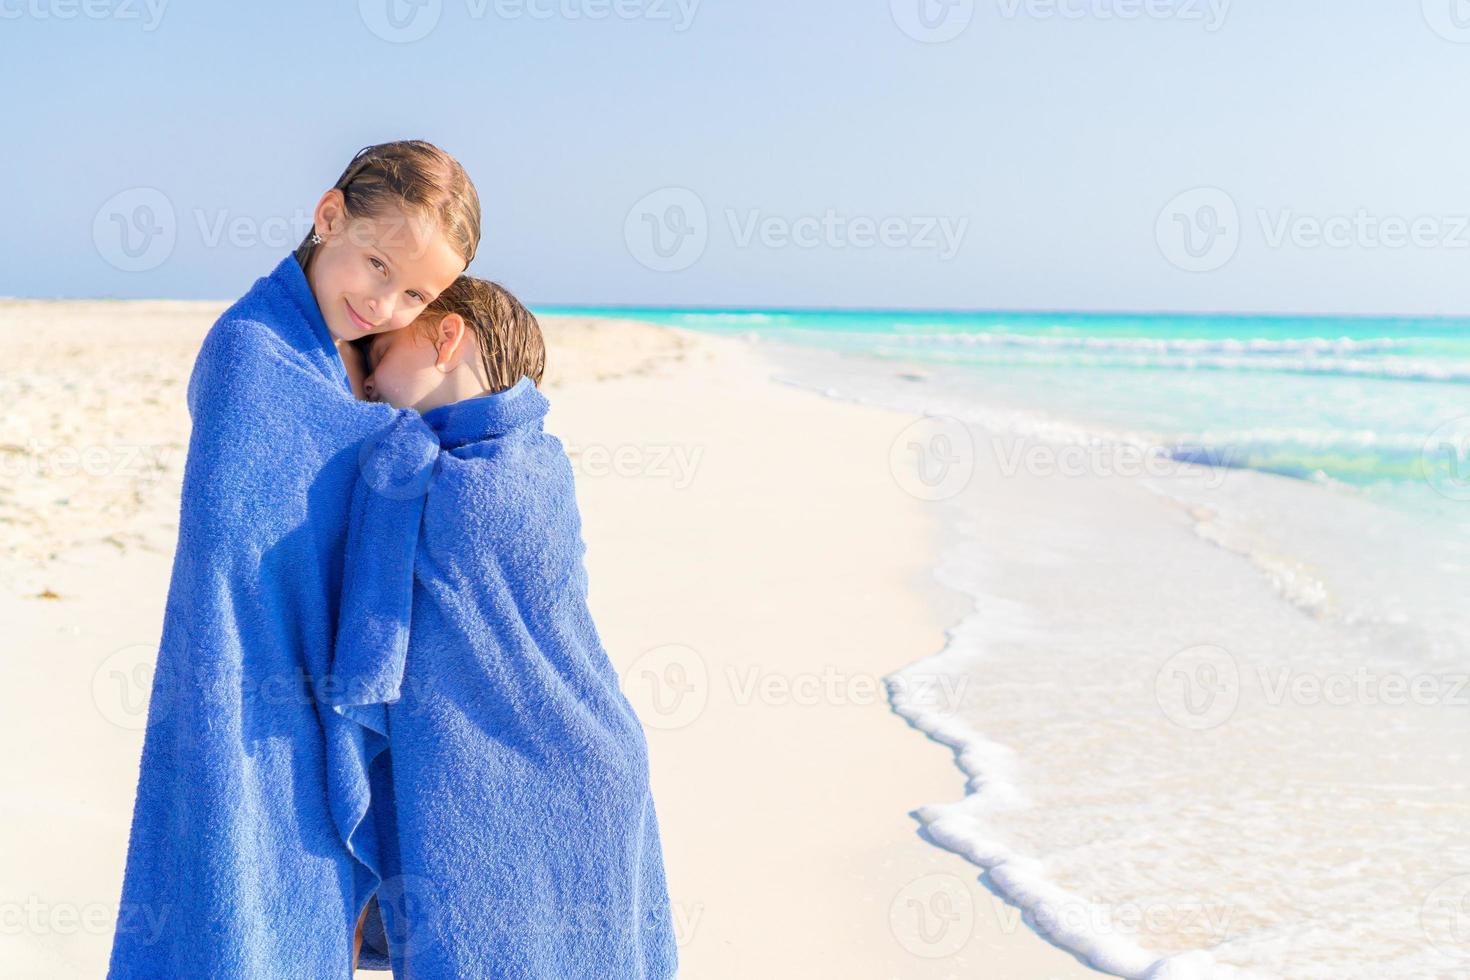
(875, 310)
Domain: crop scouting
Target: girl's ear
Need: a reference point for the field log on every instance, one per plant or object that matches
(449, 336)
(330, 217)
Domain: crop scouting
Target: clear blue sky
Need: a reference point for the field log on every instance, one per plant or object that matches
(1051, 137)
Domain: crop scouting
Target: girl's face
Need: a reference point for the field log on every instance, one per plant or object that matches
(376, 273)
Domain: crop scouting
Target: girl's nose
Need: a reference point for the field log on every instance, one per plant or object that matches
(382, 308)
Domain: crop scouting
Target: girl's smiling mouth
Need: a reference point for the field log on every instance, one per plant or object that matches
(357, 321)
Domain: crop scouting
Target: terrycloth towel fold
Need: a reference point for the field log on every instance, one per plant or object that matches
(525, 840)
(235, 867)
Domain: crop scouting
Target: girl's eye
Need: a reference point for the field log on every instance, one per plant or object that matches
(376, 264)
(417, 296)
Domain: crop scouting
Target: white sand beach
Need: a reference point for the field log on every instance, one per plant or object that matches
(756, 572)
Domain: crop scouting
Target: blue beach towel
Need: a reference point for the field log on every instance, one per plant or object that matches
(486, 765)
(235, 866)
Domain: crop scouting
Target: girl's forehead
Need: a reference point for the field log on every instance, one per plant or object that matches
(404, 235)
(391, 226)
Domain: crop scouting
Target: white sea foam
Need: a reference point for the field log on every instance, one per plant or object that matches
(1311, 833)
(1171, 345)
(1293, 579)
(1386, 368)
(992, 786)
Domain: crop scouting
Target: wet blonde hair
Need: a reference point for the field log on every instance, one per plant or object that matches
(417, 177)
(510, 341)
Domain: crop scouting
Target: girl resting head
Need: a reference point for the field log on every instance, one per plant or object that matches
(399, 225)
(474, 339)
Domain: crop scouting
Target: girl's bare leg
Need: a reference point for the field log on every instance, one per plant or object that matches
(357, 939)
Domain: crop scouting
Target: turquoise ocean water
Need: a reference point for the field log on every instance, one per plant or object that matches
(1186, 690)
(1376, 403)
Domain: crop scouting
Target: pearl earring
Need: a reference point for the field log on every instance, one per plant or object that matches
(316, 239)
